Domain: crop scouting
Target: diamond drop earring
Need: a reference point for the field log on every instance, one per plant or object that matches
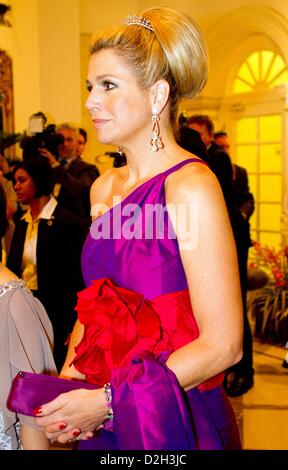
(155, 141)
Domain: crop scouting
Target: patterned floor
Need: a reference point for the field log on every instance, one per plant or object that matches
(262, 413)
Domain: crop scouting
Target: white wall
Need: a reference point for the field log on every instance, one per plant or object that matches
(21, 43)
(44, 43)
(95, 13)
(59, 61)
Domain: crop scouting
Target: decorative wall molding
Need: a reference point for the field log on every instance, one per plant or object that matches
(239, 32)
(6, 93)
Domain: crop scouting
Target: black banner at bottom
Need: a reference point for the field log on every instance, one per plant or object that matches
(147, 459)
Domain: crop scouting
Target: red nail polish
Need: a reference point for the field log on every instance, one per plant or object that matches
(62, 426)
(37, 411)
(76, 433)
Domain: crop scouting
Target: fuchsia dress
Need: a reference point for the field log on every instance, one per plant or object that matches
(136, 310)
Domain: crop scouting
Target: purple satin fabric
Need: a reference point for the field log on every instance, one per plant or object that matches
(30, 390)
(151, 410)
(150, 266)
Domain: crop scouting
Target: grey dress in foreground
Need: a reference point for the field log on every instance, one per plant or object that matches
(26, 340)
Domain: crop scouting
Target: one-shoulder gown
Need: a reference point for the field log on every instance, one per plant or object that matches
(136, 310)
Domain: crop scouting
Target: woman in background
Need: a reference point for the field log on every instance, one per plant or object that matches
(21, 314)
(46, 248)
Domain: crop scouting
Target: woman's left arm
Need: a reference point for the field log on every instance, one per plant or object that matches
(209, 259)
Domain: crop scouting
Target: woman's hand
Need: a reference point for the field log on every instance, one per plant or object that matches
(72, 415)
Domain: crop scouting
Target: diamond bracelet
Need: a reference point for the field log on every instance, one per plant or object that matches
(108, 398)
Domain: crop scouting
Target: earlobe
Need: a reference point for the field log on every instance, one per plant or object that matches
(155, 109)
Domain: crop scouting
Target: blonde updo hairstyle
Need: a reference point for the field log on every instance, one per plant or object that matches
(175, 51)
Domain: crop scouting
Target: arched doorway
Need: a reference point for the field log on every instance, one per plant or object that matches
(257, 121)
(247, 96)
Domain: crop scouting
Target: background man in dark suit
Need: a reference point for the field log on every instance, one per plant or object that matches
(245, 199)
(240, 205)
(190, 139)
(73, 176)
(81, 141)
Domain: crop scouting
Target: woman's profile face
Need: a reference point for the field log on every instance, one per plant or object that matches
(119, 108)
(24, 187)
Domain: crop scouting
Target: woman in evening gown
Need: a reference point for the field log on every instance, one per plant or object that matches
(160, 318)
(21, 314)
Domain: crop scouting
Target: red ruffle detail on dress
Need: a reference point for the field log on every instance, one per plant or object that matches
(119, 322)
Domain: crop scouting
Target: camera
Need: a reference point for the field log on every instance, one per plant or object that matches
(40, 136)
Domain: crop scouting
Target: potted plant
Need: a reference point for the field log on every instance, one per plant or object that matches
(270, 305)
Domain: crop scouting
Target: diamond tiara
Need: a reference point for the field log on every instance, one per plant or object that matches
(138, 20)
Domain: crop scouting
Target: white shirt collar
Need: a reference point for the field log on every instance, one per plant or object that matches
(46, 212)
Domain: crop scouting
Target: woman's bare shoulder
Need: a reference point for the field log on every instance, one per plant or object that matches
(192, 181)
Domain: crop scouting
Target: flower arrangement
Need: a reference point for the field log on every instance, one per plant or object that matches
(270, 306)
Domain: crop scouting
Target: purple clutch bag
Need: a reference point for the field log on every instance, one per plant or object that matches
(29, 391)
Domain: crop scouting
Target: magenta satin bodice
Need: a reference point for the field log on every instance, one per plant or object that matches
(149, 265)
